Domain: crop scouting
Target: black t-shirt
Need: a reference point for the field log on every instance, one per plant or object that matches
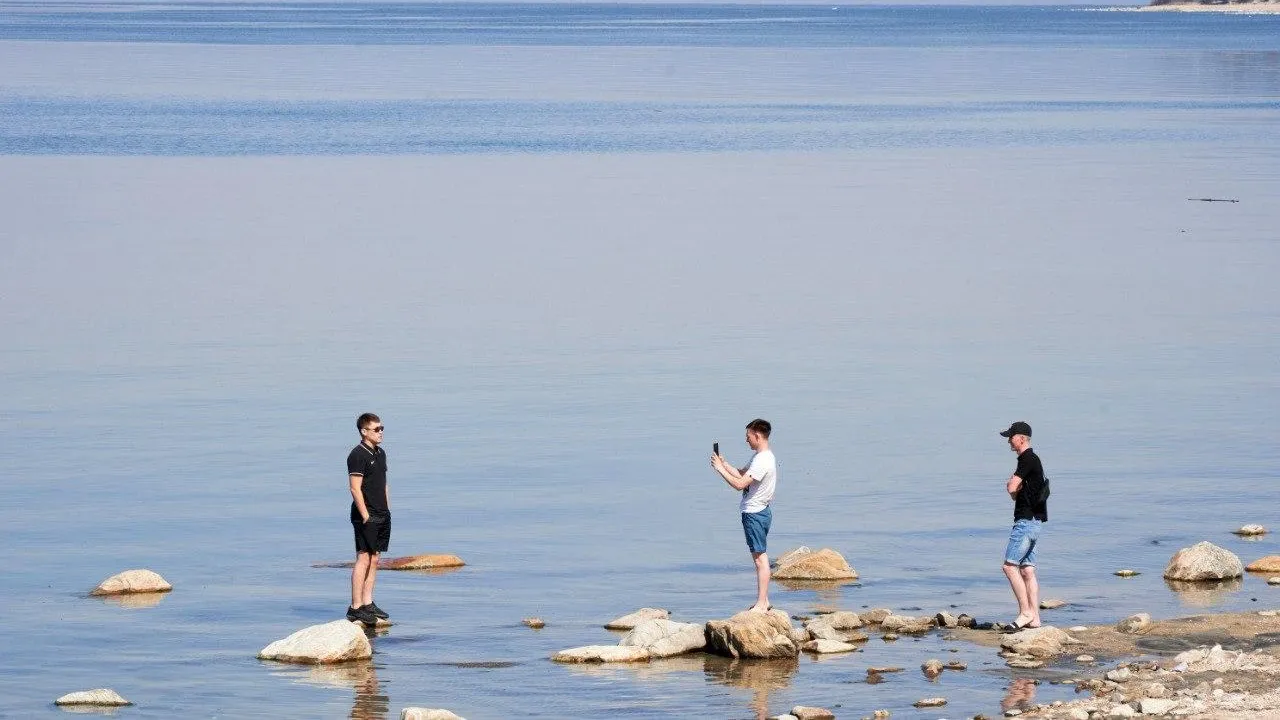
(1032, 473)
(372, 465)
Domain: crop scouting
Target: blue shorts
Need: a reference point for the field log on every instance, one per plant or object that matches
(756, 527)
(1021, 550)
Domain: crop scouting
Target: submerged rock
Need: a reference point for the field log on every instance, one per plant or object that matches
(333, 642)
(1127, 573)
(536, 623)
(1052, 604)
(664, 638)
(101, 697)
(133, 581)
(824, 564)
(1203, 561)
(803, 712)
(631, 620)
(1250, 530)
(418, 713)
(602, 654)
(752, 635)
(930, 702)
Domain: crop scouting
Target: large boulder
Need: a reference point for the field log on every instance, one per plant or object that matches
(906, 624)
(101, 697)
(751, 634)
(334, 642)
(789, 556)
(1042, 642)
(1268, 564)
(133, 581)
(824, 564)
(1203, 561)
(631, 620)
(420, 562)
(664, 638)
(420, 713)
(602, 654)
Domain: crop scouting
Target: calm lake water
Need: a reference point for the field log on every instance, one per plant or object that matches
(561, 250)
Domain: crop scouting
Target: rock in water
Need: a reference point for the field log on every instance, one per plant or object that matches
(826, 647)
(631, 620)
(1135, 624)
(907, 624)
(602, 654)
(931, 668)
(133, 581)
(930, 702)
(334, 642)
(1268, 564)
(825, 564)
(536, 623)
(1273, 581)
(1126, 573)
(802, 712)
(1203, 561)
(1250, 530)
(418, 713)
(790, 556)
(664, 638)
(752, 635)
(1052, 604)
(875, 616)
(1041, 642)
(102, 697)
(420, 562)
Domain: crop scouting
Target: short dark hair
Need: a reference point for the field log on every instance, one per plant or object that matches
(762, 427)
(365, 419)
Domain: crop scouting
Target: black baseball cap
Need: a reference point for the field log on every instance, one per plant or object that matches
(1018, 428)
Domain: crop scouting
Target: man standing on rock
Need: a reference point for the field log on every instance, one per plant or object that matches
(756, 481)
(1029, 491)
(370, 516)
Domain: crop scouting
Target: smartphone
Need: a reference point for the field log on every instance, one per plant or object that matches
(715, 448)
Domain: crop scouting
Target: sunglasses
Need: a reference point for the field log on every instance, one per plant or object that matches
(379, 428)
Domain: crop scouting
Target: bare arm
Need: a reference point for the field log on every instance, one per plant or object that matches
(1015, 484)
(358, 497)
(737, 479)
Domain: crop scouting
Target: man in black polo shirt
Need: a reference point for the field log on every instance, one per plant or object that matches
(1029, 491)
(370, 516)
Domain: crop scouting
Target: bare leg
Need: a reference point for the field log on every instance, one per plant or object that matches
(370, 575)
(1025, 613)
(762, 581)
(1028, 573)
(358, 573)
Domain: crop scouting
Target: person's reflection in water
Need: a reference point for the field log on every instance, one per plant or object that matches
(369, 704)
(1021, 695)
(759, 676)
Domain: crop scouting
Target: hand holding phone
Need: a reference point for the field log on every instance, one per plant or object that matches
(715, 448)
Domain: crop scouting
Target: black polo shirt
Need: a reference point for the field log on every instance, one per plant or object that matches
(371, 464)
(1032, 473)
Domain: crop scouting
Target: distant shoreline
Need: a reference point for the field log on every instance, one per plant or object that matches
(1251, 8)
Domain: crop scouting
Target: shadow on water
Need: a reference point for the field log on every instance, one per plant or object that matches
(1204, 594)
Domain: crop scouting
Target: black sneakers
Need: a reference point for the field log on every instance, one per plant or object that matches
(362, 615)
(377, 611)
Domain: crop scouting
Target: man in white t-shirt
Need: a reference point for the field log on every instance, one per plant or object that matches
(756, 481)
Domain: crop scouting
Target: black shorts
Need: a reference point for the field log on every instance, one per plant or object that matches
(373, 536)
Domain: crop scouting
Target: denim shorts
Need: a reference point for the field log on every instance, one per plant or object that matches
(756, 527)
(1022, 543)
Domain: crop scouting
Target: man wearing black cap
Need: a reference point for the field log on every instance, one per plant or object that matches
(1029, 491)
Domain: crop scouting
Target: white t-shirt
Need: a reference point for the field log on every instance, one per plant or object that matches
(763, 472)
